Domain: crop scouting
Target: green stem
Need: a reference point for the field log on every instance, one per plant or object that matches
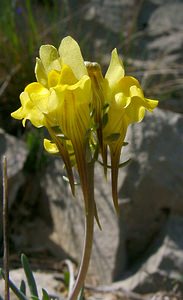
(88, 240)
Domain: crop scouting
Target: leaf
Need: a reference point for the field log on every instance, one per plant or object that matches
(13, 287)
(29, 276)
(45, 295)
(81, 294)
(66, 278)
(23, 287)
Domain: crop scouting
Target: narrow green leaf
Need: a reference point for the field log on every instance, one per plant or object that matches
(29, 276)
(81, 294)
(23, 287)
(13, 287)
(45, 295)
(66, 278)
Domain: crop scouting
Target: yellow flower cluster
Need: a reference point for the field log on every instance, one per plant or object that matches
(85, 113)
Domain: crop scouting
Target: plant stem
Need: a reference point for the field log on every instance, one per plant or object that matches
(88, 240)
(5, 228)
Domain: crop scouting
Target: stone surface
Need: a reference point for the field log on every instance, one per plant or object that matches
(68, 222)
(113, 14)
(44, 280)
(163, 18)
(162, 271)
(16, 154)
(150, 187)
(149, 32)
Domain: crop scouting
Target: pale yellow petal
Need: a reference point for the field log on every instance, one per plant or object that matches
(35, 87)
(115, 71)
(129, 85)
(36, 117)
(136, 110)
(40, 73)
(53, 78)
(151, 104)
(50, 146)
(50, 58)
(70, 54)
(18, 114)
(39, 96)
(67, 76)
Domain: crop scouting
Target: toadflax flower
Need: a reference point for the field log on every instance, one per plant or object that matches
(86, 114)
(127, 105)
(118, 101)
(59, 100)
(72, 98)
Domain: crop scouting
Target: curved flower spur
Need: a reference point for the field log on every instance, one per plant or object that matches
(85, 114)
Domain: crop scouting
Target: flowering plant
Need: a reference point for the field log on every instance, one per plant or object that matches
(87, 115)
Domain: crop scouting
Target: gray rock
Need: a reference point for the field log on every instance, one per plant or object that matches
(150, 187)
(45, 281)
(146, 31)
(163, 19)
(113, 15)
(165, 32)
(16, 154)
(162, 271)
(68, 222)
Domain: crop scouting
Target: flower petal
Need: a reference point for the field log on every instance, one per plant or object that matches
(28, 111)
(50, 58)
(70, 54)
(40, 73)
(115, 71)
(116, 113)
(67, 76)
(53, 78)
(50, 147)
(39, 96)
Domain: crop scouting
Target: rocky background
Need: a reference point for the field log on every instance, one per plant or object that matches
(141, 250)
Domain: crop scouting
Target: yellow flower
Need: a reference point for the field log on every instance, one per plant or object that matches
(85, 114)
(72, 98)
(127, 105)
(60, 101)
(34, 104)
(73, 117)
